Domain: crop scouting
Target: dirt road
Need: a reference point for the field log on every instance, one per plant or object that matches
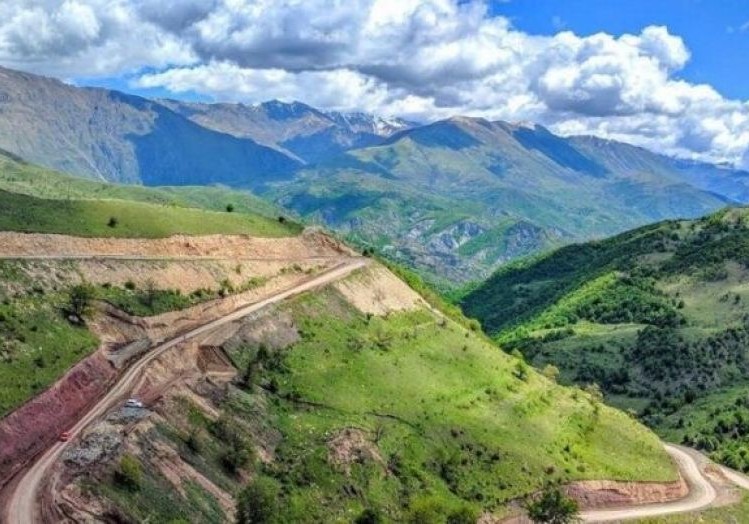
(21, 508)
(701, 495)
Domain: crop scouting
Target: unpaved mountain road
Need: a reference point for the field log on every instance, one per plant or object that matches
(701, 494)
(22, 504)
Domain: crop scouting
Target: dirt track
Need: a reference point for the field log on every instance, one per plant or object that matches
(701, 495)
(22, 505)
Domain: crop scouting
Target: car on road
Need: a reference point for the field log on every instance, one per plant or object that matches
(65, 436)
(133, 403)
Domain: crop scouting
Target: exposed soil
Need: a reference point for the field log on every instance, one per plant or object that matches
(37, 424)
(311, 243)
(376, 291)
(607, 493)
(352, 446)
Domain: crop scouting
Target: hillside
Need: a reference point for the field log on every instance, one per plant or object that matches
(459, 197)
(36, 199)
(110, 136)
(355, 396)
(313, 373)
(656, 316)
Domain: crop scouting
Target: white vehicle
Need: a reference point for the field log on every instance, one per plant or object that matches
(133, 403)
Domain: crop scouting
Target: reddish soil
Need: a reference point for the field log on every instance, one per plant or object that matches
(37, 424)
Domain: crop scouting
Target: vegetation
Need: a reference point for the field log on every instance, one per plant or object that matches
(134, 219)
(551, 506)
(129, 473)
(37, 344)
(657, 317)
(151, 300)
(257, 503)
(433, 400)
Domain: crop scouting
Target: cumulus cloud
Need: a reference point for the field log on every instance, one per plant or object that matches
(421, 59)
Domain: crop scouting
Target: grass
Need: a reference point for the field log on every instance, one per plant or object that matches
(92, 218)
(153, 301)
(37, 346)
(17, 176)
(657, 317)
(454, 421)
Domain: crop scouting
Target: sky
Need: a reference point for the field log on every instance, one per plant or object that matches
(670, 75)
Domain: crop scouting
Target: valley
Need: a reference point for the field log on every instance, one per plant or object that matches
(655, 317)
(282, 358)
(271, 365)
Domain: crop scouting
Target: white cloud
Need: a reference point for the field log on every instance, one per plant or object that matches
(422, 59)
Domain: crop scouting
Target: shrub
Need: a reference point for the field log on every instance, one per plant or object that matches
(79, 300)
(257, 503)
(113, 221)
(128, 473)
(369, 516)
(230, 208)
(464, 515)
(552, 507)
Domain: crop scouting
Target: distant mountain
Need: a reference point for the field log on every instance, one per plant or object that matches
(455, 198)
(111, 136)
(657, 317)
(296, 129)
(459, 197)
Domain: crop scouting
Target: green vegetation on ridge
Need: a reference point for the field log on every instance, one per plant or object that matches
(658, 317)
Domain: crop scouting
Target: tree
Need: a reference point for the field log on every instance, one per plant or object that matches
(257, 503)
(552, 507)
(79, 300)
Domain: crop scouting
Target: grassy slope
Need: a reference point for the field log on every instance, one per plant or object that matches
(657, 316)
(134, 219)
(446, 413)
(37, 344)
(180, 205)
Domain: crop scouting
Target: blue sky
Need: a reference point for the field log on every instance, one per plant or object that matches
(715, 31)
(664, 74)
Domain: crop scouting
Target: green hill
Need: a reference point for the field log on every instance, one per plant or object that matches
(658, 317)
(396, 414)
(34, 199)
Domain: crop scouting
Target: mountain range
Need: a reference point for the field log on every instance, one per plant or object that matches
(454, 199)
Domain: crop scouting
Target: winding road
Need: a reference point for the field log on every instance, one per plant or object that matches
(23, 502)
(22, 505)
(701, 495)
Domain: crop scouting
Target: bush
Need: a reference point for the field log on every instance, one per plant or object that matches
(552, 507)
(128, 473)
(257, 503)
(369, 516)
(230, 208)
(113, 221)
(464, 515)
(425, 510)
(79, 300)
